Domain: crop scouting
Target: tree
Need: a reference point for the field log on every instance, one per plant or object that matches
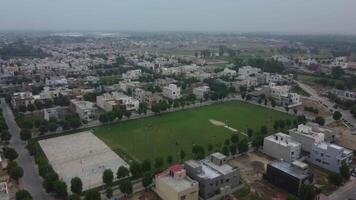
(169, 159)
(16, 173)
(135, 169)
(225, 150)
(146, 166)
(25, 134)
(337, 115)
(301, 119)
(182, 155)
(320, 120)
(210, 147)
(249, 132)
(108, 177)
(104, 118)
(92, 194)
(127, 113)
(30, 107)
(233, 149)
(60, 188)
(264, 130)
(126, 187)
(23, 195)
(258, 141)
(243, 146)
(10, 153)
(234, 138)
(52, 126)
(307, 192)
(109, 192)
(142, 109)
(158, 162)
(345, 171)
(335, 178)
(76, 185)
(122, 172)
(74, 197)
(119, 114)
(147, 180)
(5, 136)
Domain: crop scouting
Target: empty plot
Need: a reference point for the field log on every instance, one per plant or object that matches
(83, 155)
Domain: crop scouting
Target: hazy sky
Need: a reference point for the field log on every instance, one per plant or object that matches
(300, 16)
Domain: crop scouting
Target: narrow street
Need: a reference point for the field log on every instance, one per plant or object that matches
(31, 180)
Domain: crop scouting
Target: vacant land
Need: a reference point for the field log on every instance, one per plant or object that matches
(168, 134)
(83, 155)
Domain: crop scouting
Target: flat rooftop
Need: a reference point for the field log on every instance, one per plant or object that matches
(290, 169)
(178, 185)
(83, 155)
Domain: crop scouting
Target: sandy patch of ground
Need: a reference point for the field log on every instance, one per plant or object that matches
(344, 136)
(252, 166)
(314, 104)
(216, 122)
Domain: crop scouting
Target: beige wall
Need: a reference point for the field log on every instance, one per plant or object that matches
(168, 193)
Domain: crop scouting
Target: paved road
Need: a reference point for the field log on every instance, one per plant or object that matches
(31, 181)
(326, 102)
(346, 192)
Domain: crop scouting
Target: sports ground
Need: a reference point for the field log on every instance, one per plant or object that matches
(168, 134)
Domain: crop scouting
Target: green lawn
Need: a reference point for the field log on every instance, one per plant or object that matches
(109, 80)
(168, 134)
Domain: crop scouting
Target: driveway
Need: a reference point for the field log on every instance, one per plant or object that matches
(31, 180)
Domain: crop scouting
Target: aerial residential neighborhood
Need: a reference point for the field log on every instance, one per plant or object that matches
(183, 100)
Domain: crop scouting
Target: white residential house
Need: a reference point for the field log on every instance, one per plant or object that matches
(306, 136)
(199, 92)
(228, 72)
(22, 99)
(281, 146)
(248, 70)
(49, 113)
(172, 91)
(330, 156)
(132, 74)
(282, 95)
(85, 109)
(129, 102)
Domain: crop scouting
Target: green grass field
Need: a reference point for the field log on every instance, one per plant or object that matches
(168, 134)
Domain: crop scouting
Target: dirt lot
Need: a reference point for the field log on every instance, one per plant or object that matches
(252, 166)
(145, 195)
(344, 137)
(310, 103)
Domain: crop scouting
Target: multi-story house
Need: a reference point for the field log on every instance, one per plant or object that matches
(199, 92)
(281, 146)
(289, 176)
(174, 184)
(215, 176)
(171, 91)
(330, 156)
(85, 109)
(306, 136)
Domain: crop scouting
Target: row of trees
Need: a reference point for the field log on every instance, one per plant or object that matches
(115, 114)
(47, 103)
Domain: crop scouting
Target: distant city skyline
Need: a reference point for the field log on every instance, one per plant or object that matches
(281, 16)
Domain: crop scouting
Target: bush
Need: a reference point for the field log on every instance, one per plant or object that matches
(23, 195)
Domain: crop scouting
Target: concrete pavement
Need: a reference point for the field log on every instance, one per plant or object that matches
(31, 180)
